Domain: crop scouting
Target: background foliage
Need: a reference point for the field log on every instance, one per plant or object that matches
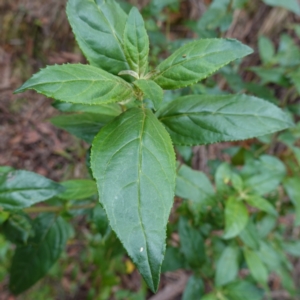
(262, 173)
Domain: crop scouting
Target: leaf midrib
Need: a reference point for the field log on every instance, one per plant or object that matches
(139, 186)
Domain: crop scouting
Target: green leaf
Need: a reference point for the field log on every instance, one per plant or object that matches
(17, 228)
(292, 5)
(243, 290)
(193, 185)
(249, 236)
(173, 260)
(266, 49)
(222, 177)
(295, 77)
(194, 288)
(98, 26)
(191, 244)
(78, 83)
(218, 15)
(100, 219)
(136, 42)
(210, 296)
(257, 268)
(32, 261)
(111, 109)
(83, 125)
(78, 189)
(262, 204)
(293, 248)
(236, 217)
(292, 188)
(151, 91)
(20, 189)
(133, 162)
(198, 60)
(263, 176)
(227, 266)
(203, 119)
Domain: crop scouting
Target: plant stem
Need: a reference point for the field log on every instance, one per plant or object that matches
(40, 209)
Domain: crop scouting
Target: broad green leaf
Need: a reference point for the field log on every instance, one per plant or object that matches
(78, 83)
(17, 228)
(266, 225)
(98, 26)
(133, 162)
(197, 60)
(266, 49)
(295, 77)
(269, 256)
(227, 266)
(236, 217)
(151, 91)
(111, 109)
(136, 42)
(267, 75)
(203, 119)
(262, 204)
(5, 169)
(156, 6)
(249, 236)
(263, 176)
(173, 260)
(32, 261)
(243, 290)
(83, 125)
(292, 5)
(210, 296)
(293, 248)
(194, 288)
(78, 189)
(191, 244)
(218, 15)
(222, 177)
(20, 189)
(292, 187)
(193, 185)
(99, 217)
(256, 266)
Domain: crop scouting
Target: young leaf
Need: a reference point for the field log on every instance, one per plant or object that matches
(194, 288)
(193, 185)
(151, 91)
(84, 125)
(77, 189)
(257, 268)
(78, 83)
(20, 189)
(249, 236)
(292, 5)
(266, 49)
(243, 290)
(292, 188)
(263, 175)
(236, 218)
(133, 162)
(262, 204)
(33, 260)
(203, 119)
(136, 42)
(227, 266)
(98, 28)
(173, 260)
(198, 60)
(191, 244)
